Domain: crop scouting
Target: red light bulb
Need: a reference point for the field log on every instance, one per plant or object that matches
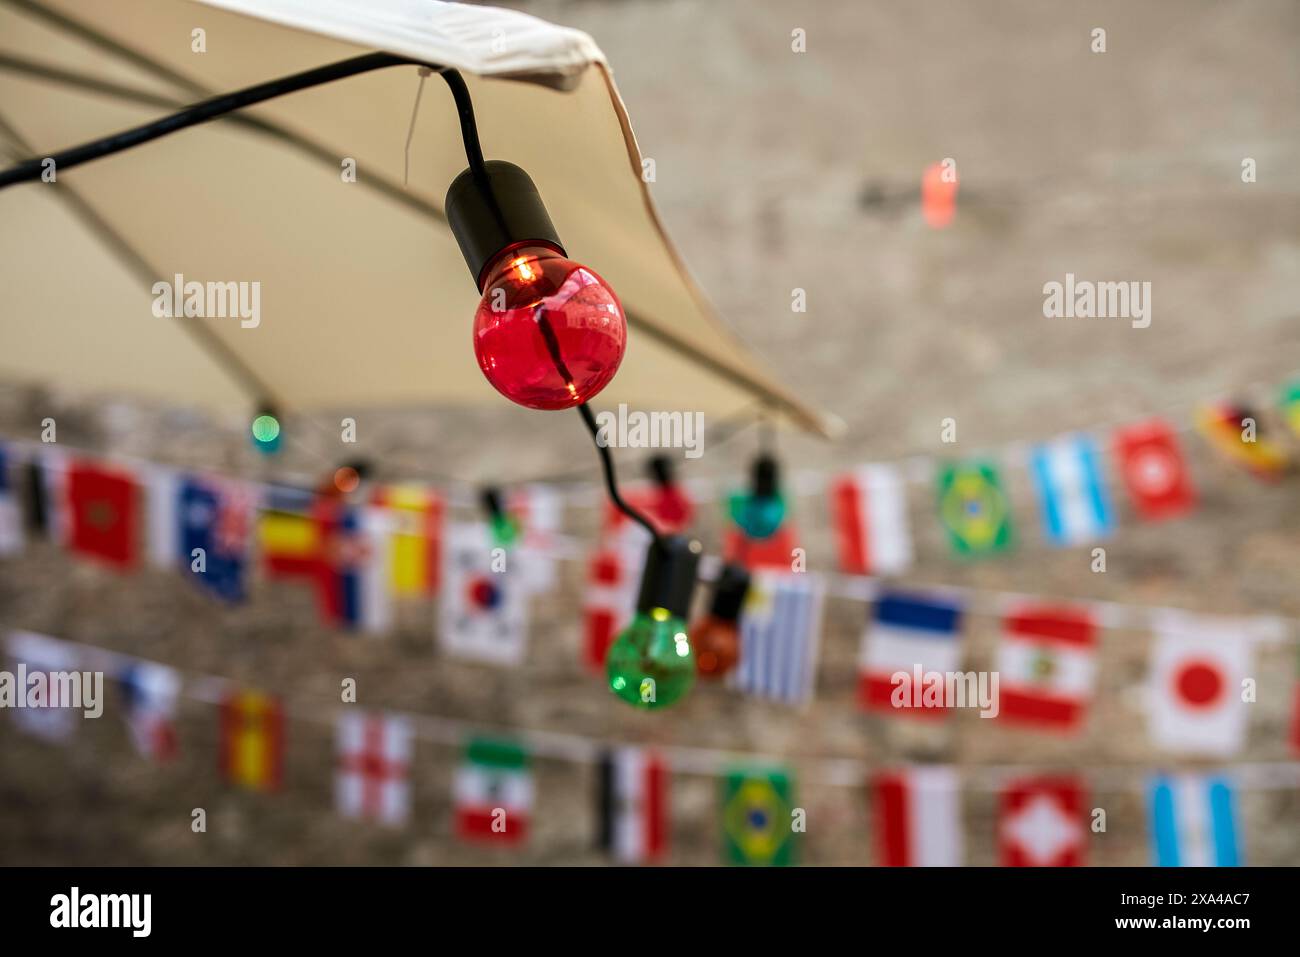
(549, 333)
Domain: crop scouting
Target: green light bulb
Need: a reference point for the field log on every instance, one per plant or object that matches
(651, 665)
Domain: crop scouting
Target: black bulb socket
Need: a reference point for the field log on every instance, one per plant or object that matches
(668, 582)
(493, 210)
(729, 592)
(765, 476)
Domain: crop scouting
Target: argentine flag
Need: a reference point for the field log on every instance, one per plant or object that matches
(1067, 477)
(1193, 821)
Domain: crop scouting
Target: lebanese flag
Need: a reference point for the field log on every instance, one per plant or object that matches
(633, 804)
(918, 817)
(101, 513)
(869, 512)
(1197, 668)
(1154, 470)
(493, 792)
(1041, 823)
(1047, 664)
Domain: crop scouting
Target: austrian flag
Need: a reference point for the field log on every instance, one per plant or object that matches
(918, 817)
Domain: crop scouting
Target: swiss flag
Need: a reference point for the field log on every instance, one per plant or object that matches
(102, 513)
(1198, 664)
(1154, 470)
(1041, 823)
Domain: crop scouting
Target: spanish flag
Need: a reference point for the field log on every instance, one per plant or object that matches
(1236, 432)
(415, 546)
(252, 740)
(290, 534)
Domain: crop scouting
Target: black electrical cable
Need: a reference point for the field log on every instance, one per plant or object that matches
(611, 482)
(218, 106)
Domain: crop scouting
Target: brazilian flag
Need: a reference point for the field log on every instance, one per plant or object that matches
(1290, 403)
(974, 509)
(757, 825)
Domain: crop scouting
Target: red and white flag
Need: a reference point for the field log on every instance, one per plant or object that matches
(1197, 667)
(1154, 470)
(633, 804)
(869, 513)
(374, 763)
(1041, 823)
(609, 602)
(918, 817)
(1047, 665)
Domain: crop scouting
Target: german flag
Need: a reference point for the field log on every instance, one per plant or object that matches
(252, 740)
(1237, 432)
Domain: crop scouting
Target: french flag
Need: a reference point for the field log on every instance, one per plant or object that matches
(869, 507)
(1193, 821)
(907, 631)
(1071, 494)
(918, 817)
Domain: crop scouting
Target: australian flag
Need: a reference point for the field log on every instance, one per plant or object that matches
(214, 519)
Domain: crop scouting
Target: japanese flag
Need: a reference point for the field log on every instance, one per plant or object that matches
(1197, 669)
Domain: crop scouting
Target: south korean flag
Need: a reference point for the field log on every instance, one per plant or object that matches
(483, 612)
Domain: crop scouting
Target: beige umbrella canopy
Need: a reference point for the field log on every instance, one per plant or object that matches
(365, 299)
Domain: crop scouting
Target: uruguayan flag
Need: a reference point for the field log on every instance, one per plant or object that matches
(1193, 821)
(780, 630)
(1067, 476)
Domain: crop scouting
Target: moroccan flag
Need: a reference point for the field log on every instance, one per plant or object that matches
(101, 513)
(1154, 470)
(252, 740)
(633, 804)
(974, 509)
(1238, 434)
(869, 512)
(1290, 403)
(493, 792)
(757, 826)
(1041, 823)
(918, 817)
(415, 545)
(1047, 662)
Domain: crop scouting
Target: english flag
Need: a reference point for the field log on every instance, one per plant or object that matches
(1047, 662)
(374, 764)
(151, 692)
(633, 804)
(1154, 471)
(1041, 823)
(869, 512)
(101, 504)
(918, 817)
(483, 610)
(1197, 667)
(1071, 492)
(1193, 821)
(493, 792)
(907, 632)
(52, 676)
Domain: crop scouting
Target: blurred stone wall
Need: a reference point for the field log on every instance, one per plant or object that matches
(778, 170)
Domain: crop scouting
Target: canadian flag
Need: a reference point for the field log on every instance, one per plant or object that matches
(918, 817)
(1041, 823)
(1047, 667)
(1197, 668)
(1154, 470)
(869, 512)
(613, 577)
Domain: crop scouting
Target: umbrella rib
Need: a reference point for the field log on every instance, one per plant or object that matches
(206, 339)
(374, 181)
